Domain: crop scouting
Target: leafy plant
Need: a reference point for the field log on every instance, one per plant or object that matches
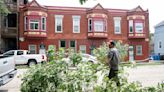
(102, 51)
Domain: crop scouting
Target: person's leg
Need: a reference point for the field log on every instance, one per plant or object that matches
(111, 74)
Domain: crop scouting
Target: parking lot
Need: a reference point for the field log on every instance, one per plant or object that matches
(148, 75)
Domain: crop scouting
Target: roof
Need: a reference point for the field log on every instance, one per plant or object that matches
(160, 24)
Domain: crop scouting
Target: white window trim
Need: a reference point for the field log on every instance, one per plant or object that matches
(117, 19)
(25, 23)
(59, 17)
(42, 23)
(76, 18)
(84, 46)
(33, 22)
(131, 21)
(139, 54)
(32, 45)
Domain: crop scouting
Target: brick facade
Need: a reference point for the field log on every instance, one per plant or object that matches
(97, 25)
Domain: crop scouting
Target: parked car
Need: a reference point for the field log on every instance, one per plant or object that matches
(85, 58)
(7, 69)
(24, 57)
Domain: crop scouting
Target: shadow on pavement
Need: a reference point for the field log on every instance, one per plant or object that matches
(3, 90)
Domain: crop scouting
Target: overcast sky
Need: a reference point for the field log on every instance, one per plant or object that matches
(155, 7)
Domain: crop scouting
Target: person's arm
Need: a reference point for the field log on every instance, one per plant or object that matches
(110, 56)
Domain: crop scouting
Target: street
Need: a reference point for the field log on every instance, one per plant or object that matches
(148, 75)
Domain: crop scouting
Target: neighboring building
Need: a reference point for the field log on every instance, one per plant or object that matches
(159, 39)
(9, 26)
(43, 27)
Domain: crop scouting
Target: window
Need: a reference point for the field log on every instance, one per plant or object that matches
(139, 50)
(62, 44)
(73, 45)
(12, 20)
(89, 25)
(117, 25)
(76, 24)
(25, 23)
(10, 53)
(20, 53)
(32, 49)
(83, 48)
(34, 24)
(139, 27)
(130, 26)
(160, 44)
(58, 23)
(43, 23)
(98, 26)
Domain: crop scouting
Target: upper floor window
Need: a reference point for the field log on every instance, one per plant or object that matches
(44, 23)
(139, 50)
(89, 25)
(117, 25)
(130, 26)
(138, 27)
(58, 23)
(25, 23)
(34, 24)
(76, 24)
(160, 45)
(98, 26)
(12, 20)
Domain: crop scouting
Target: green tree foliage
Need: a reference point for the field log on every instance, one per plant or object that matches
(83, 77)
(82, 1)
(102, 51)
(3, 7)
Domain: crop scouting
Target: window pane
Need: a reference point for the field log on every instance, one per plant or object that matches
(59, 24)
(98, 26)
(117, 25)
(139, 27)
(32, 49)
(139, 50)
(90, 25)
(62, 44)
(130, 26)
(76, 25)
(83, 48)
(72, 43)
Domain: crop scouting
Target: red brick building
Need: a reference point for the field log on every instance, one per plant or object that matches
(43, 27)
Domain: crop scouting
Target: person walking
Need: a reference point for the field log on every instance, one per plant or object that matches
(114, 60)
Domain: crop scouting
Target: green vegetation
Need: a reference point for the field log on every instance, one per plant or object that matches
(59, 76)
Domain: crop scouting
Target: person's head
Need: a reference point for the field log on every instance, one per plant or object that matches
(111, 44)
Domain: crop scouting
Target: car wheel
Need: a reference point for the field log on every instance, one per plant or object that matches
(31, 63)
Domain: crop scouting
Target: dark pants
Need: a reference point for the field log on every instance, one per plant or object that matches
(113, 74)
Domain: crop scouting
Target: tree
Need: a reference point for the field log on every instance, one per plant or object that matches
(82, 1)
(3, 7)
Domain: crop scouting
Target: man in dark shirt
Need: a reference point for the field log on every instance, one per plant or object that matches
(114, 60)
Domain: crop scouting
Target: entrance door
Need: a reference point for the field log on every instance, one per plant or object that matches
(131, 53)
